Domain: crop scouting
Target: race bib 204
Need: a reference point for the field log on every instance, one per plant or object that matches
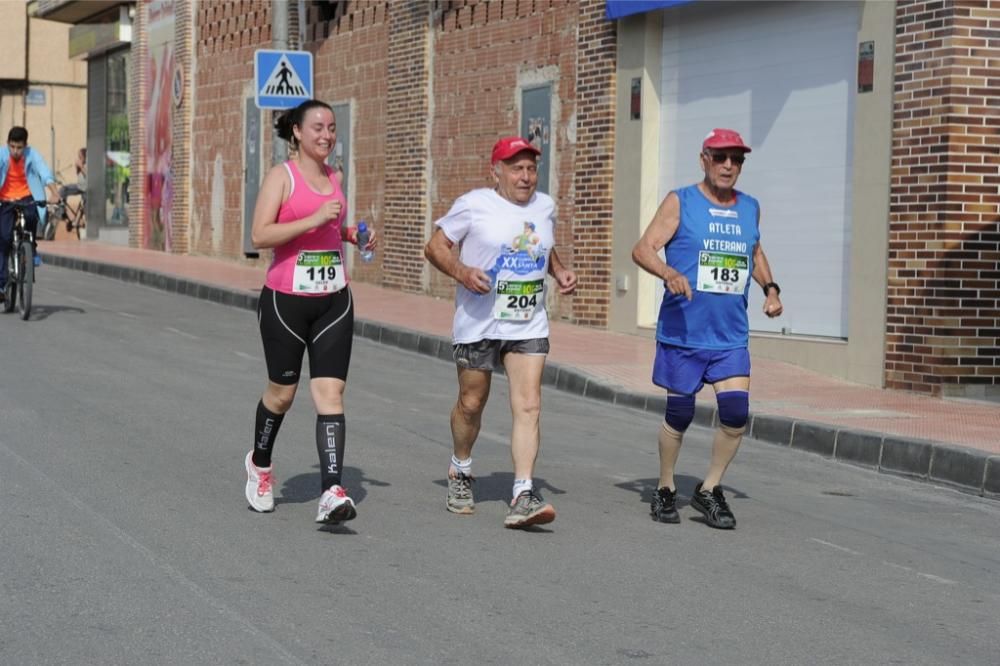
(517, 300)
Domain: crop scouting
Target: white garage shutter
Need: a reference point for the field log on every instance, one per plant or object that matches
(783, 75)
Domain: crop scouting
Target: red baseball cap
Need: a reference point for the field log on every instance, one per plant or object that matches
(724, 138)
(507, 147)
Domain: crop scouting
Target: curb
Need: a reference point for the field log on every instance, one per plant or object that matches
(162, 281)
(967, 470)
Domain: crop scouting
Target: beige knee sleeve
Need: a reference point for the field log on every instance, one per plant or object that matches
(734, 433)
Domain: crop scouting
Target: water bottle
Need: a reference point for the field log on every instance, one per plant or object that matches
(362, 238)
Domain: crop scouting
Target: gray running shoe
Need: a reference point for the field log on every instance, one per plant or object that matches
(529, 509)
(460, 494)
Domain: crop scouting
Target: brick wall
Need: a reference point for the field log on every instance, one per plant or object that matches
(481, 51)
(944, 238)
(137, 129)
(432, 86)
(181, 145)
(594, 168)
(406, 160)
(226, 35)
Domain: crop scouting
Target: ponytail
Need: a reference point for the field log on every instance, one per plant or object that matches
(283, 126)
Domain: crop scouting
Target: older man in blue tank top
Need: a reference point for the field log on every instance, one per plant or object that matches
(711, 240)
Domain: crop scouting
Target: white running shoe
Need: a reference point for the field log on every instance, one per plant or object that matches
(259, 486)
(335, 506)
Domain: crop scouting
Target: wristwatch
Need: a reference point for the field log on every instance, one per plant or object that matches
(768, 286)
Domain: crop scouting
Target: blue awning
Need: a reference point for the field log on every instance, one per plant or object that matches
(619, 8)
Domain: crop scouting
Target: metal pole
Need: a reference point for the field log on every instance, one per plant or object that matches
(279, 38)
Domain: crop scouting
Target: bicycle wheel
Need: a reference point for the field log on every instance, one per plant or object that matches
(10, 287)
(26, 279)
(50, 230)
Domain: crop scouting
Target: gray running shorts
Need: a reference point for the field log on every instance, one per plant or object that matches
(488, 354)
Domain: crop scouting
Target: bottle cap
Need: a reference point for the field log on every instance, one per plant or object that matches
(362, 227)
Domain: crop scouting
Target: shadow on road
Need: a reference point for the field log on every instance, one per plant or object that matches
(685, 488)
(40, 312)
(499, 485)
(339, 528)
(305, 487)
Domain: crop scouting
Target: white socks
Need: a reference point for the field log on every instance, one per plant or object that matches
(521, 485)
(461, 466)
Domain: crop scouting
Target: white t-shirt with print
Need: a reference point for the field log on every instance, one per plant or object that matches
(511, 243)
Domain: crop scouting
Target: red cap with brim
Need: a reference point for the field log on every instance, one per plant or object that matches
(724, 138)
(507, 147)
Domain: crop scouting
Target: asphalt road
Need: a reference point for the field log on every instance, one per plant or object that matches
(125, 536)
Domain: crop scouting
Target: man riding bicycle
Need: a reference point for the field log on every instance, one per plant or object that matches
(24, 176)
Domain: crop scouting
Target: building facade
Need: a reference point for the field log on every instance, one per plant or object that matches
(99, 38)
(874, 128)
(43, 90)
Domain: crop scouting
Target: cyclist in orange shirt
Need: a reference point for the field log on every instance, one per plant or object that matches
(24, 176)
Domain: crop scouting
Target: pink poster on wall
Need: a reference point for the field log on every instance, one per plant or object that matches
(159, 120)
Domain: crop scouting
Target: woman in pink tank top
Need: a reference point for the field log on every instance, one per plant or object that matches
(305, 304)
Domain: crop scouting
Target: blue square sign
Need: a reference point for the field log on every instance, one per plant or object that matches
(283, 79)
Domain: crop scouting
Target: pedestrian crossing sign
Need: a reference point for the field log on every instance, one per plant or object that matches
(284, 79)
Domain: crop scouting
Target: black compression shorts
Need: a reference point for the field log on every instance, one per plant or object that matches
(290, 324)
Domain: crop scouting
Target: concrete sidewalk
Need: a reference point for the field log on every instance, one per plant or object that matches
(952, 442)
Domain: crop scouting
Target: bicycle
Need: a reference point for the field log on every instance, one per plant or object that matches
(75, 218)
(20, 262)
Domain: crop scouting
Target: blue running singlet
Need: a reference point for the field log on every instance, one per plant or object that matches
(713, 248)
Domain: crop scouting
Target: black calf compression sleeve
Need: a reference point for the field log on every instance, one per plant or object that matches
(265, 430)
(330, 446)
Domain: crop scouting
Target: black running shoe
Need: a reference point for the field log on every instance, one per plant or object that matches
(712, 504)
(664, 506)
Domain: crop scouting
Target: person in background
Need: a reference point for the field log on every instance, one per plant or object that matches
(24, 176)
(79, 188)
(81, 169)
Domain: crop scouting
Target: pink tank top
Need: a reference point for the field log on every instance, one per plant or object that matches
(302, 202)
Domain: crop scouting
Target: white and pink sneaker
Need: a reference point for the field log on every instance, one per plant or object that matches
(335, 506)
(260, 484)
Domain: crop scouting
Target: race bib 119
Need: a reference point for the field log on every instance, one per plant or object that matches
(318, 272)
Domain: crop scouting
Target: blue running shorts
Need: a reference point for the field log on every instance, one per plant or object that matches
(686, 371)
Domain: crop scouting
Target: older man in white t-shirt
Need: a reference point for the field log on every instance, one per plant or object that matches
(506, 240)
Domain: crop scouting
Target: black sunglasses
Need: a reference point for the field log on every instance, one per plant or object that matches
(720, 158)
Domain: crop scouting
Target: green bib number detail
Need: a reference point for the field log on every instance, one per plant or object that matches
(320, 272)
(517, 301)
(723, 273)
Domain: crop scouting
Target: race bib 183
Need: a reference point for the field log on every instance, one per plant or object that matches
(723, 273)
(318, 272)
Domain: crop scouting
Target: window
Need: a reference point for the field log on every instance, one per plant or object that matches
(117, 145)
